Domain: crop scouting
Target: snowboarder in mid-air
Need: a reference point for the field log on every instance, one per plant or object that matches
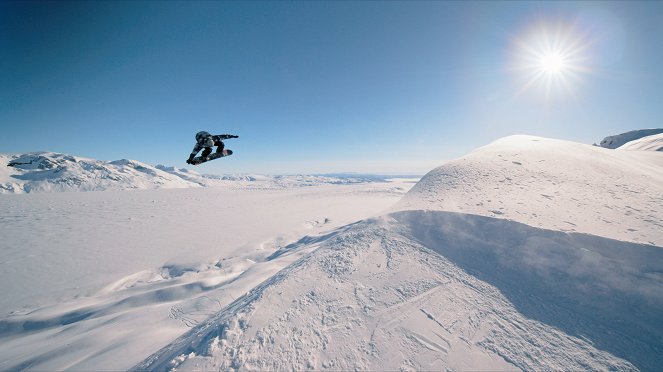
(205, 141)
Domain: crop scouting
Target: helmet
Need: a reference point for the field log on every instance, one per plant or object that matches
(200, 136)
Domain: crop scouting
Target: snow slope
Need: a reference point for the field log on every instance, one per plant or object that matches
(613, 142)
(648, 143)
(529, 253)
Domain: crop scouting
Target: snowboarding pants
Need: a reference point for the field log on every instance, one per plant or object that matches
(208, 150)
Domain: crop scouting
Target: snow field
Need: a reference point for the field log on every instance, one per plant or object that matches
(102, 279)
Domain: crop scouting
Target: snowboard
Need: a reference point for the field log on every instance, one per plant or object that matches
(199, 159)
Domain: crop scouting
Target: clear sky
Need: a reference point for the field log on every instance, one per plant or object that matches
(314, 87)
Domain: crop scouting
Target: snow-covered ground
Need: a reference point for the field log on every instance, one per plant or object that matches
(529, 253)
(99, 280)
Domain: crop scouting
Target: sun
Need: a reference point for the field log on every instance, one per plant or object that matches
(553, 63)
(551, 60)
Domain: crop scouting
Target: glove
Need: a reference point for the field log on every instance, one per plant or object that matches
(234, 137)
(188, 161)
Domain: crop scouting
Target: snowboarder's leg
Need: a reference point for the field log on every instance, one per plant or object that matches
(206, 152)
(220, 147)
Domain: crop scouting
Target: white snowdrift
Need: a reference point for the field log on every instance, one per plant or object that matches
(526, 254)
(648, 143)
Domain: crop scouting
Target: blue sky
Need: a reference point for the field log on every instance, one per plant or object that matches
(313, 87)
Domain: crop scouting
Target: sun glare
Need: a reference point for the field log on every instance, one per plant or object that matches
(552, 63)
(551, 60)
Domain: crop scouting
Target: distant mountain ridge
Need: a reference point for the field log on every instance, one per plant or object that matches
(56, 172)
(618, 140)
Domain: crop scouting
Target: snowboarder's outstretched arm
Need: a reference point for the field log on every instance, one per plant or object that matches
(225, 136)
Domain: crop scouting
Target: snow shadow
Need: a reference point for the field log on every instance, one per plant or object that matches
(605, 291)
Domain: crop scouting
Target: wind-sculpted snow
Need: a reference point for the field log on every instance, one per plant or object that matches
(440, 290)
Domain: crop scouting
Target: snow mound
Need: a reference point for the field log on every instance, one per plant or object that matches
(648, 143)
(529, 253)
(552, 184)
(613, 142)
(48, 171)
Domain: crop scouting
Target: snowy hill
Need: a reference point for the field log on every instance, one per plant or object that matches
(552, 184)
(613, 142)
(648, 143)
(47, 171)
(529, 253)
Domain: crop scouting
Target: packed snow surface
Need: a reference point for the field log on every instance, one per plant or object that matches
(529, 253)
